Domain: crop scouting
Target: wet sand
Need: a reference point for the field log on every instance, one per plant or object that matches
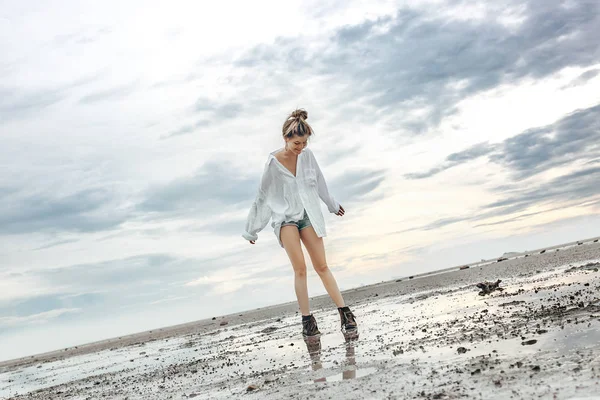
(431, 337)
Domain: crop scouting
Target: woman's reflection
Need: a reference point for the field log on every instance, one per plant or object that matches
(313, 345)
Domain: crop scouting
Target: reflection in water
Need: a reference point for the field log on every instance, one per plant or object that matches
(313, 345)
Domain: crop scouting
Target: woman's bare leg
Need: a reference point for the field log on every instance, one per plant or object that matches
(290, 238)
(316, 250)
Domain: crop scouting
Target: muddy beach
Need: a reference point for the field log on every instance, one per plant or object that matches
(431, 337)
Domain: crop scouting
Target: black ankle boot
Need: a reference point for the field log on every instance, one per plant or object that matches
(309, 326)
(347, 319)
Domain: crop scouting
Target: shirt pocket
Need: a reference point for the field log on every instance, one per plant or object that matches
(310, 177)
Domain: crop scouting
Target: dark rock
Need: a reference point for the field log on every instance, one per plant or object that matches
(462, 350)
(529, 342)
(464, 267)
(489, 287)
(542, 252)
(251, 388)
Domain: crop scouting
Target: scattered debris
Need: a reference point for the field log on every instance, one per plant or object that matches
(588, 267)
(512, 303)
(489, 287)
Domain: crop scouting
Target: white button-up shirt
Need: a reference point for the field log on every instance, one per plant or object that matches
(284, 197)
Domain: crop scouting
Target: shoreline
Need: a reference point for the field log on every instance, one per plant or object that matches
(207, 324)
(430, 338)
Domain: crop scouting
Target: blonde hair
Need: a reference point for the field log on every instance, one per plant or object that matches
(296, 124)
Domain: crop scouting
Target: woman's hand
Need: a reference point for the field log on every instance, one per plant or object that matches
(341, 211)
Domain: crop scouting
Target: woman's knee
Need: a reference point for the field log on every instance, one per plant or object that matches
(300, 272)
(321, 269)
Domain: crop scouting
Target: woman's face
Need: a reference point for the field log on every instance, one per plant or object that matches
(296, 144)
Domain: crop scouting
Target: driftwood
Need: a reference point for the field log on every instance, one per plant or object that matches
(489, 287)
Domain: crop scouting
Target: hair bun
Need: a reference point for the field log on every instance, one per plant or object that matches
(299, 113)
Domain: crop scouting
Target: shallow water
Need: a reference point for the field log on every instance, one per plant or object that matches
(419, 333)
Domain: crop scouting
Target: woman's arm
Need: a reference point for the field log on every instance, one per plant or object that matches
(332, 205)
(260, 212)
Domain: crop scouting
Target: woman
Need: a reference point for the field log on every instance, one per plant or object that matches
(289, 193)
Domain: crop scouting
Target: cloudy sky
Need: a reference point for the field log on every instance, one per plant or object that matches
(133, 136)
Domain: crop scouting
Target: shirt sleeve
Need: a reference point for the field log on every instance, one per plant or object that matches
(260, 212)
(332, 205)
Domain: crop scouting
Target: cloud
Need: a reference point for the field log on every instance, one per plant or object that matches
(352, 186)
(35, 319)
(87, 210)
(569, 190)
(213, 188)
(212, 112)
(575, 187)
(94, 287)
(114, 93)
(573, 138)
(21, 103)
(455, 159)
(571, 142)
(583, 78)
(54, 244)
(418, 62)
(186, 129)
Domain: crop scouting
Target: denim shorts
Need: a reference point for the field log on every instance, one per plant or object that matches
(303, 223)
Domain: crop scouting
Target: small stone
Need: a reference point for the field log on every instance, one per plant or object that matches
(251, 388)
(462, 350)
(529, 342)
(536, 368)
(223, 323)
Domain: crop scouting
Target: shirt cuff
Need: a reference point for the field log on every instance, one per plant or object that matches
(336, 207)
(248, 236)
